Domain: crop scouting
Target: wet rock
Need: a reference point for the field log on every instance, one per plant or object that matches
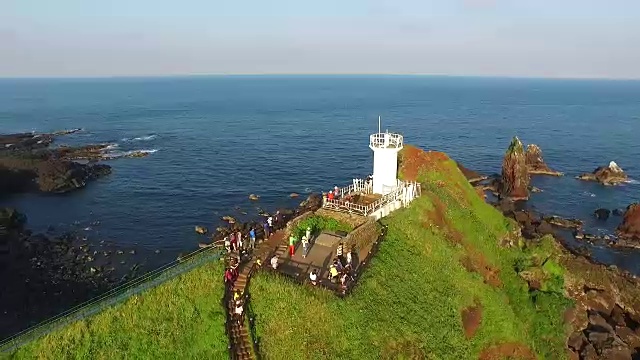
(602, 214)
(294, 195)
(606, 175)
(157, 251)
(201, 230)
(628, 336)
(132, 252)
(515, 176)
(535, 163)
(617, 212)
(630, 226)
(534, 189)
(254, 197)
(229, 219)
(564, 223)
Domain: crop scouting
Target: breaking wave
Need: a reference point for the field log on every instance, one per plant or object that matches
(589, 194)
(131, 153)
(141, 138)
(633, 181)
(111, 147)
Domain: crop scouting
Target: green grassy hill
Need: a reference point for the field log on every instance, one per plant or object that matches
(444, 285)
(180, 319)
(448, 282)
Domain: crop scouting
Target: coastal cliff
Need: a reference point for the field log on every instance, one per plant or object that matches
(449, 264)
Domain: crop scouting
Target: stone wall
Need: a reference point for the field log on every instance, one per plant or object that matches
(351, 219)
(363, 236)
(293, 223)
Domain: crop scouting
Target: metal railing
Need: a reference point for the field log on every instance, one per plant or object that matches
(405, 192)
(113, 296)
(385, 140)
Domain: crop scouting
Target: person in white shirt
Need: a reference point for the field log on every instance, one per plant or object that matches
(238, 311)
(239, 240)
(274, 262)
(349, 258)
(313, 276)
(305, 247)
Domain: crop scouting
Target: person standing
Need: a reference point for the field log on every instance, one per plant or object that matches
(274, 262)
(270, 222)
(239, 240)
(308, 233)
(267, 231)
(349, 259)
(252, 238)
(339, 251)
(227, 244)
(305, 247)
(292, 245)
(234, 243)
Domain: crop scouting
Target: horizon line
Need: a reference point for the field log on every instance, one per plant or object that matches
(143, 76)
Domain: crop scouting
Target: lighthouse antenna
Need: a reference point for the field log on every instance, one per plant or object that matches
(378, 124)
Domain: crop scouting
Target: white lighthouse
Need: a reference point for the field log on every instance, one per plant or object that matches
(385, 148)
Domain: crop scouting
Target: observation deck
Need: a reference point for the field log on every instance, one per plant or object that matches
(385, 140)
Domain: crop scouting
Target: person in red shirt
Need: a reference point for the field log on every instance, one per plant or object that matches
(330, 195)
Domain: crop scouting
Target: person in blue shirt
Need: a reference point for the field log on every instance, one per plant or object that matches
(252, 238)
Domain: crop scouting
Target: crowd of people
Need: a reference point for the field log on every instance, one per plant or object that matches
(340, 270)
(238, 246)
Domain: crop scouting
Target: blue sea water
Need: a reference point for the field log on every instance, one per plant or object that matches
(218, 139)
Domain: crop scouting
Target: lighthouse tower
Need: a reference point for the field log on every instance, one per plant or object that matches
(385, 148)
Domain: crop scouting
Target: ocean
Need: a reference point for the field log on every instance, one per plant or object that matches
(216, 139)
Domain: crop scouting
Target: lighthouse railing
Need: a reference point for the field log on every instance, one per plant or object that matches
(404, 192)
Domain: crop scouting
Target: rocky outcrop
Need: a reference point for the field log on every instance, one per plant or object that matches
(535, 162)
(515, 177)
(27, 163)
(471, 175)
(564, 223)
(630, 227)
(606, 175)
(602, 214)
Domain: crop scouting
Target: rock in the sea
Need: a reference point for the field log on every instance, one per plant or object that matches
(254, 197)
(472, 176)
(630, 226)
(294, 195)
(515, 177)
(535, 162)
(602, 214)
(565, 223)
(617, 212)
(606, 175)
(229, 219)
(201, 230)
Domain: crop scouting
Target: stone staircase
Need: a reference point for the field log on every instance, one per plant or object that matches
(240, 337)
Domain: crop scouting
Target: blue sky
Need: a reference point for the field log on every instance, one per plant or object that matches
(563, 38)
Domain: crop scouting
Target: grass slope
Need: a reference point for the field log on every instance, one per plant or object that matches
(409, 302)
(180, 319)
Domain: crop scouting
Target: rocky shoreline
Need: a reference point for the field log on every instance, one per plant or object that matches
(604, 323)
(45, 274)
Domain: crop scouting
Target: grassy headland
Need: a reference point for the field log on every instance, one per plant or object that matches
(180, 319)
(447, 282)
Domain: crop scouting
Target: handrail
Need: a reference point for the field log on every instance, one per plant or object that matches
(397, 194)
